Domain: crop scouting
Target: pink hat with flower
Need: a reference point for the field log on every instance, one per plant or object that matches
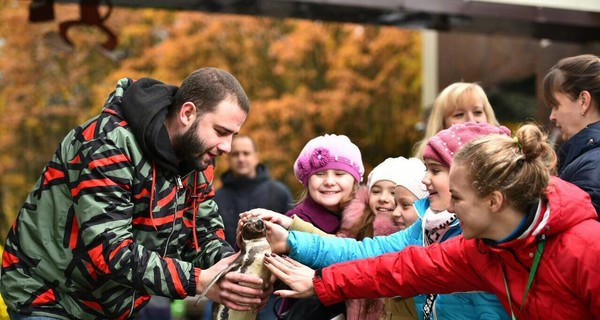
(329, 152)
(447, 142)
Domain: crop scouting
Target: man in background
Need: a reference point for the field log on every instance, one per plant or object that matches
(248, 185)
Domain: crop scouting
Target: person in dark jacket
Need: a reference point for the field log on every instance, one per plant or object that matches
(572, 89)
(247, 185)
(124, 208)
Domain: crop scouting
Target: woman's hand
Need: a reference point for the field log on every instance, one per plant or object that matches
(296, 275)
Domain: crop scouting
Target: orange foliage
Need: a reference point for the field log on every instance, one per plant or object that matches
(304, 79)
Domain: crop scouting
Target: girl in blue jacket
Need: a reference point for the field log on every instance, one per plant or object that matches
(435, 225)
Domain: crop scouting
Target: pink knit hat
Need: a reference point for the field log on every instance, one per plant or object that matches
(446, 143)
(329, 152)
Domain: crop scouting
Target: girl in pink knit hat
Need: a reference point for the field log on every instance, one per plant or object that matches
(435, 225)
(330, 167)
(381, 207)
(530, 239)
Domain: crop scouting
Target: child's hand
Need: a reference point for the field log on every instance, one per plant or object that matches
(267, 215)
(296, 275)
(277, 237)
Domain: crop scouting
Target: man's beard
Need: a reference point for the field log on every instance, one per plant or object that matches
(189, 149)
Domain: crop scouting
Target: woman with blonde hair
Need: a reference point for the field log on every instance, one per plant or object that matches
(458, 103)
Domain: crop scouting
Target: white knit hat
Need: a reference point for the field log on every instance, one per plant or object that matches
(403, 172)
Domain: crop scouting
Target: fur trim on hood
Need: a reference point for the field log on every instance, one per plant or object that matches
(384, 225)
(355, 214)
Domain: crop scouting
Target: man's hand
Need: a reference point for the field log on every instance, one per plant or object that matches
(235, 290)
(267, 292)
(296, 275)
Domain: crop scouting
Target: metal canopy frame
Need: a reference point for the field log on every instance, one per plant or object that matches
(560, 20)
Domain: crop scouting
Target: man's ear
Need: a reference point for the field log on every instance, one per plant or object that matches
(187, 113)
(496, 200)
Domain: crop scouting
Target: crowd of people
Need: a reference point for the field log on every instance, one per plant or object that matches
(480, 223)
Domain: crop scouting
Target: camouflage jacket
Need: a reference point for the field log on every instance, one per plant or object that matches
(105, 227)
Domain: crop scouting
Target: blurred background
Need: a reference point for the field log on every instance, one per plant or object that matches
(366, 69)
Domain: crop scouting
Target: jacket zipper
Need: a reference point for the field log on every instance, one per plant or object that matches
(179, 186)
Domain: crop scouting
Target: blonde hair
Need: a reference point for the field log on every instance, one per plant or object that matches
(447, 102)
(519, 167)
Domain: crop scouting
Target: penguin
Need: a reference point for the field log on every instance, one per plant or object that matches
(253, 248)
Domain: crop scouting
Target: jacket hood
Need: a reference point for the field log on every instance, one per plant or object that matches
(233, 182)
(421, 206)
(355, 214)
(569, 205)
(145, 106)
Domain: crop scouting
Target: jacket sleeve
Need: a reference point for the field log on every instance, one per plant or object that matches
(439, 268)
(301, 225)
(317, 252)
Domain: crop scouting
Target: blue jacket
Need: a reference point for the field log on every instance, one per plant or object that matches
(579, 161)
(318, 252)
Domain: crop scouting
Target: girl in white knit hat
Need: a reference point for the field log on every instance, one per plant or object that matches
(382, 207)
(436, 225)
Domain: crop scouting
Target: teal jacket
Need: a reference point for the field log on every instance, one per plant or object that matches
(318, 252)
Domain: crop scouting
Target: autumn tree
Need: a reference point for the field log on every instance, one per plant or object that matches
(304, 78)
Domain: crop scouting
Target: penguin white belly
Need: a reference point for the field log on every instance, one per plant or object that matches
(251, 262)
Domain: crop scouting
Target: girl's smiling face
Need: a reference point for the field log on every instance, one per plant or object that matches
(405, 213)
(330, 187)
(437, 182)
(381, 197)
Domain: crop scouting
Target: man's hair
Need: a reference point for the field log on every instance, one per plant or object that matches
(206, 88)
